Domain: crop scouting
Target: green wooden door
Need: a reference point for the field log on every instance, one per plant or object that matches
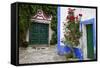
(90, 48)
(38, 33)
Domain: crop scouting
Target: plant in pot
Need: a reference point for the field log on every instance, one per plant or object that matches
(72, 33)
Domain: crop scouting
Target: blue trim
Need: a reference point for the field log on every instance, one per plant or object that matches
(58, 27)
(91, 21)
(61, 49)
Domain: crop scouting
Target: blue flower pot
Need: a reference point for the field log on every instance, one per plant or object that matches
(78, 53)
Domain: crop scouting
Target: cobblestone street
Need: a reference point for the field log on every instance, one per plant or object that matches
(32, 55)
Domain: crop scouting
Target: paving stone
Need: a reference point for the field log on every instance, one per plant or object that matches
(31, 55)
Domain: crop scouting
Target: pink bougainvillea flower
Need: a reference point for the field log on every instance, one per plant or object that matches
(80, 14)
(69, 9)
(72, 18)
(67, 17)
(69, 12)
(76, 17)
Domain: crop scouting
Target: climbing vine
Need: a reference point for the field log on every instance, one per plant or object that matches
(25, 13)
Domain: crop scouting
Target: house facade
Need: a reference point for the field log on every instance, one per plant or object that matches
(39, 32)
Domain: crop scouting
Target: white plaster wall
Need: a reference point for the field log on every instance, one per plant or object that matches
(84, 42)
(87, 13)
(63, 14)
(50, 33)
(27, 36)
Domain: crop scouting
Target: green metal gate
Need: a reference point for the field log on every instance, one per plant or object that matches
(38, 33)
(90, 47)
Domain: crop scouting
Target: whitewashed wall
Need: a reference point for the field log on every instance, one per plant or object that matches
(87, 13)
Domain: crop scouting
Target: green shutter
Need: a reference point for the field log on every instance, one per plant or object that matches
(90, 47)
(38, 33)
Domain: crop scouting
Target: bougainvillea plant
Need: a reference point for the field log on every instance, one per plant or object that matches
(72, 33)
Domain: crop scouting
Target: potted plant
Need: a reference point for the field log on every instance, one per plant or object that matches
(72, 33)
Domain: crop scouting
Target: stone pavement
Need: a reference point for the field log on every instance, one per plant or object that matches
(39, 55)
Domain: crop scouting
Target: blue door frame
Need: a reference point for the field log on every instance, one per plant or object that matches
(90, 21)
(93, 22)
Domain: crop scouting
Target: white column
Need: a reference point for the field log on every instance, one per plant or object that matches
(84, 41)
(27, 36)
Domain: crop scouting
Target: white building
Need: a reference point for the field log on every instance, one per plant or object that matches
(87, 26)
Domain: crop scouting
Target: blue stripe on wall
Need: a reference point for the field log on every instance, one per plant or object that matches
(59, 47)
(58, 27)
